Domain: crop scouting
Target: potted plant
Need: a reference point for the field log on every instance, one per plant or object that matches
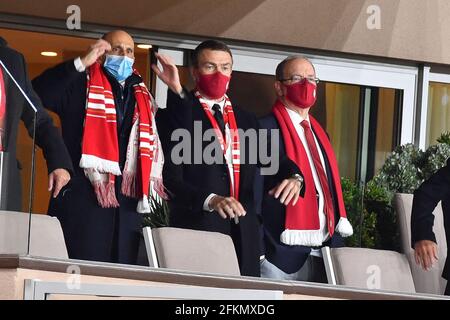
(375, 220)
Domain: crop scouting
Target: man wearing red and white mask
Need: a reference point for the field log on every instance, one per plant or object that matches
(216, 196)
(294, 233)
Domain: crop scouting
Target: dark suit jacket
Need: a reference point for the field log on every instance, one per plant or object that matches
(91, 232)
(48, 136)
(287, 258)
(190, 184)
(426, 198)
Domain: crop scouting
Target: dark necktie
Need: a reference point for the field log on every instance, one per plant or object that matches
(328, 202)
(219, 118)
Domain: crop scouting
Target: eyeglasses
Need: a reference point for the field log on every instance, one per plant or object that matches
(297, 78)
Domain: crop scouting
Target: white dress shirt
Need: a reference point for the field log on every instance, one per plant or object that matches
(228, 156)
(296, 120)
(79, 65)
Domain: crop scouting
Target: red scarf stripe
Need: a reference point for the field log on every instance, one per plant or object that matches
(304, 215)
(145, 126)
(229, 118)
(100, 135)
(325, 141)
(101, 104)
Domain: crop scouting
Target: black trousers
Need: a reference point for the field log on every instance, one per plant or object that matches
(447, 289)
(95, 233)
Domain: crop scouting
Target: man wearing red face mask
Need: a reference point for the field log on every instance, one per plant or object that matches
(294, 233)
(216, 196)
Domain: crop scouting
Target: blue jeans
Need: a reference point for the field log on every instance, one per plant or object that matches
(312, 271)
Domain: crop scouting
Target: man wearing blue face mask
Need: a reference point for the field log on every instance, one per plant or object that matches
(108, 124)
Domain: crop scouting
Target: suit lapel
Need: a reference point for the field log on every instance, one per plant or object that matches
(198, 114)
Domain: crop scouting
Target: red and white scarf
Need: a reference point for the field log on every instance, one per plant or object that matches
(2, 111)
(142, 173)
(302, 224)
(228, 117)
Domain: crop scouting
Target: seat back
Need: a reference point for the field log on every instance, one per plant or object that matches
(425, 281)
(47, 238)
(191, 250)
(368, 269)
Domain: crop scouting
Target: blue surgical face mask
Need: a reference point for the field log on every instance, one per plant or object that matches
(121, 67)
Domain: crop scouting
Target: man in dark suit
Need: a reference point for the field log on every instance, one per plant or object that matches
(423, 239)
(99, 208)
(293, 234)
(214, 196)
(47, 135)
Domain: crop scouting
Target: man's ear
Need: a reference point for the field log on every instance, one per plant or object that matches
(278, 88)
(193, 72)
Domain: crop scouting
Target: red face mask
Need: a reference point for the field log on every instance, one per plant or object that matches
(302, 94)
(213, 85)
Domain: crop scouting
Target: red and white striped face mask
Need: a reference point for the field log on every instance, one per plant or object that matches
(213, 86)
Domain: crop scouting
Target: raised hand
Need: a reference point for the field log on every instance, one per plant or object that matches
(95, 51)
(169, 73)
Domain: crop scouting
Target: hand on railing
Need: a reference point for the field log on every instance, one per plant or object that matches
(425, 253)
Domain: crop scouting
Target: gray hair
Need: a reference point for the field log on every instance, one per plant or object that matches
(279, 73)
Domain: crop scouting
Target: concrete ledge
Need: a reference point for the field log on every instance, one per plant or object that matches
(175, 277)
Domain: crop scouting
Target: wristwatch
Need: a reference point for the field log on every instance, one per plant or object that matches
(298, 177)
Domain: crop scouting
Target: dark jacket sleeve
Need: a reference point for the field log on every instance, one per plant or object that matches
(53, 84)
(48, 137)
(426, 198)
(178, 114)
(286, 167)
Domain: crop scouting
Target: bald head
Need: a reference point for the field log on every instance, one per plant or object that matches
(121, 42)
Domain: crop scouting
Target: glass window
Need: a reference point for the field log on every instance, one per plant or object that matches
(363, 123)
(337, 109)
(438, 118)
(387, 125)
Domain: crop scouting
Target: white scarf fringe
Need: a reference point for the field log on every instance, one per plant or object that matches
(314, 238)
(100, 165)
(344, 227)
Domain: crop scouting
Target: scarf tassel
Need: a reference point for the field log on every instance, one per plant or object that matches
(143, 205)
(344, 227)
(106, 195)
(159, 188)
(129, 188)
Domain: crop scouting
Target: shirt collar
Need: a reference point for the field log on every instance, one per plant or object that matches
(296, 117)
(210, 103)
